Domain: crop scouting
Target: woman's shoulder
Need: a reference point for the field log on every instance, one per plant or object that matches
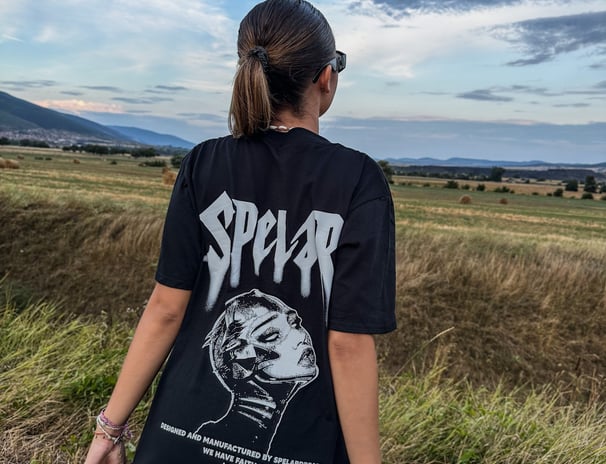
(369, 173)
(209, 144)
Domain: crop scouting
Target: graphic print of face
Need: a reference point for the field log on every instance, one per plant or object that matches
(259, 336)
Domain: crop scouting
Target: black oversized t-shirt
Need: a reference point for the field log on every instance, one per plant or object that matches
(280, 237)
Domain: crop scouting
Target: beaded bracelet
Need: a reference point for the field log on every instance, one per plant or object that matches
(104, 424)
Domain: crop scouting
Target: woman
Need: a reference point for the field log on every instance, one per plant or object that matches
(271, 218)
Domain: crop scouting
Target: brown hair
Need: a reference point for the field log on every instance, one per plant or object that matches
(281, 45)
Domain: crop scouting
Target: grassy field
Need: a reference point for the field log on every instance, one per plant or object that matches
(500, 355)
(52, 173)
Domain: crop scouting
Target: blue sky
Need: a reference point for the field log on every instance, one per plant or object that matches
(494, 79)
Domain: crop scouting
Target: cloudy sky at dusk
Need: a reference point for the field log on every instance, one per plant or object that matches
(494, 79)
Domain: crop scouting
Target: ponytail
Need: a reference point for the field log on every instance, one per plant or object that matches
(251, 111)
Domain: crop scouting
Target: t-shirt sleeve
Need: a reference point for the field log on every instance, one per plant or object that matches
(180, 253)
(363, 295)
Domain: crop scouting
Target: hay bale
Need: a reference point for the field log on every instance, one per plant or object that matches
(503, 201)
(465, 200)
(21, 157)
(76, 161)
(168, 177)
(2, 163)
(165, 169)
(12, 164)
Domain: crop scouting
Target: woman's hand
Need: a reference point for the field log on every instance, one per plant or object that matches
(105, 451)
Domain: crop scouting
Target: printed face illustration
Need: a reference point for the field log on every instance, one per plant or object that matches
(259, 336)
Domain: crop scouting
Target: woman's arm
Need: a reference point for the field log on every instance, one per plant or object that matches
(153, 340)
(353, 363)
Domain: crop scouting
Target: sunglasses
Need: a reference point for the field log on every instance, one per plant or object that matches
(337, 64)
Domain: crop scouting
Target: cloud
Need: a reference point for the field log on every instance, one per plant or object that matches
(408, 6)
(103, 88)
(571, 105)
(142, 101)
(597, 89)
(164, 89)
(483, 95)
(543, 39)
(47, 34)
(170, 88)
(392, 46)
(79, 106)
(4, 37)
(490, 93)
(202, 117)
(130, 38)
(73, 93)
(598, 65)
(394, 39)
(35, 84)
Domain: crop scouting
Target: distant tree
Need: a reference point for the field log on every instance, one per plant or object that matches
(147, 152)
(496, 174)
(33, 143)
(572, 185)
(587, 196)
(175, 161)
(451, 184)
(96, 149)
(480, 187)
(591, 185)
(558, 192)
(387, 170)
(154, 163)
(5, 141)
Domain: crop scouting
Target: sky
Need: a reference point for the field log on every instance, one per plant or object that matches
(492, 79)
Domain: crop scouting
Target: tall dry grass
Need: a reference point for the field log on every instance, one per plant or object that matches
(55, 372)
(427, 419)
(93, 257)
(518, 311)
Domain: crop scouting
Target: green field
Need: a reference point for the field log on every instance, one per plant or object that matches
(500, 354)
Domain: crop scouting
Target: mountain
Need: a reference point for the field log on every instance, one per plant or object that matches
(462, 162)
(482, 163)
(148, 137)
(20, 119)
(21, 116)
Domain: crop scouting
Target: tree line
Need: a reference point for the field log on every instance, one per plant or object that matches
(135, 152)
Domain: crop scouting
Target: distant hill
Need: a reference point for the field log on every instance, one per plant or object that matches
(151, 138)
(482, 163)
(21, 116)
(20, 119)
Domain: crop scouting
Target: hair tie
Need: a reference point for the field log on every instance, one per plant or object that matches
(261, 54)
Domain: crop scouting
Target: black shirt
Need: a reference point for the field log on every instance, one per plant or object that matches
(280, 237)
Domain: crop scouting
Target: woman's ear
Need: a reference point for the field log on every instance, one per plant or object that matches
(324, 81)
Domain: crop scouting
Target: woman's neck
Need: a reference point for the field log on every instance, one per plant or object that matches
(285, 120)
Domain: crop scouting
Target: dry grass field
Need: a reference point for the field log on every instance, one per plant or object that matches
(500, 354)
(52, 173)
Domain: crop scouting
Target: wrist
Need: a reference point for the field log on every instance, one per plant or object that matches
(110, 431)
